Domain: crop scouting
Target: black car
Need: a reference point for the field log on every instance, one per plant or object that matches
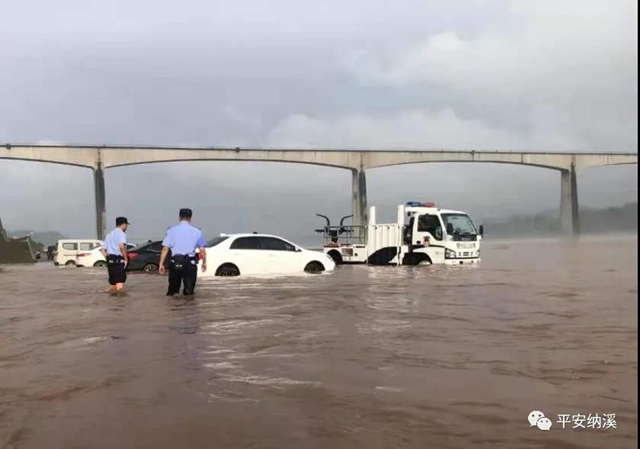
(145, 257)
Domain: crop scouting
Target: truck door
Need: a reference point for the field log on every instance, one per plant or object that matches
(428, 225)
(407, 232)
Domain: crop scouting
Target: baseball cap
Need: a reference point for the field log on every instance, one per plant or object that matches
(121, 221)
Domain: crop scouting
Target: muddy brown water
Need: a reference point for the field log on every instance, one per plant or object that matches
(385, 357)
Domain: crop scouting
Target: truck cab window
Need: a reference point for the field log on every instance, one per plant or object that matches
(408, 230)
(430, 224)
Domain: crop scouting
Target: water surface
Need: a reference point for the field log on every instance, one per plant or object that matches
(386, 357)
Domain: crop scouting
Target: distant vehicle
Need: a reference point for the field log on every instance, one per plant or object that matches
(93, 258)
(257, 254)
(145, 257)
(69, 249)
(431, 236)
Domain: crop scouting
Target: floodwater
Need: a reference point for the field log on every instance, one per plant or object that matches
(387, 357)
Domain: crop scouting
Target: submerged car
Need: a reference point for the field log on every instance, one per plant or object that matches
(258, 254)
(145, 257)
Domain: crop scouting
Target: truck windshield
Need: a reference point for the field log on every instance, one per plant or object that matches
(461, 223)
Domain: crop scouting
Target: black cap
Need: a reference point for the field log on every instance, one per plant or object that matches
(121, 221)
(186, 213)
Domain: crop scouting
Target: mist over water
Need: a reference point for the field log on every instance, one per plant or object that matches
(365, 357)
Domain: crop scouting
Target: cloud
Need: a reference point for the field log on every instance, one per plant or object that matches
(570, 67)
(414, 129)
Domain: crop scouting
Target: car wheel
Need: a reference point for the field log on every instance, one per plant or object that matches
(69, 263)
(150, 268)
(314, 267)
(100, 263)
(228, 270)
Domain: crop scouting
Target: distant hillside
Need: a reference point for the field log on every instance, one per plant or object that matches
(610, 220)
(45, 238)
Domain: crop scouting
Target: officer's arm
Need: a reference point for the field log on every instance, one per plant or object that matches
(122, 244)
(123, 251)
(163, 255)
(203, 250)
(103, 249)
(166, 244)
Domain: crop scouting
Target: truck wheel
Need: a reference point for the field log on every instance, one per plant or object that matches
(314, 267)
(415, 260)
(336, 256)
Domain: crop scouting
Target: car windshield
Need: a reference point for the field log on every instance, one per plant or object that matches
(461, 223)
(216, 241)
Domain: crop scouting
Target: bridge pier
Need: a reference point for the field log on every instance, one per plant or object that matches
(101, 202)
(359, 198)
(569, 212)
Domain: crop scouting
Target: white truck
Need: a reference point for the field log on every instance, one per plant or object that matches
(430, 236)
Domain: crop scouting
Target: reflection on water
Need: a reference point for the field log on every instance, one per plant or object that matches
(365, 357)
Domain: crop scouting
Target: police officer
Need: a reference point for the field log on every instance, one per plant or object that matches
(114, 250)
(183, 239)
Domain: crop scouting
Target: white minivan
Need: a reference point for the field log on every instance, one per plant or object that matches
(68, 250)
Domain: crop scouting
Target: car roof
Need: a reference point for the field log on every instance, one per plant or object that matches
(142, 245)
(252, 235)
(78, 240)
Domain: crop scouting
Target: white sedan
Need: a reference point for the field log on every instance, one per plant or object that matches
(94, 258)
(258, 254)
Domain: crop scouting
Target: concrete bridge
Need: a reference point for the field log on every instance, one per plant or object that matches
(99, 158)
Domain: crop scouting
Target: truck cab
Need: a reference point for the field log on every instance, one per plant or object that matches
(444, 236)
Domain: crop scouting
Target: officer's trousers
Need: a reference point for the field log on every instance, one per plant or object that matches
(185, 273)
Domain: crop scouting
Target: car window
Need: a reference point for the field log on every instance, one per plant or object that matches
(274, 244)
(154, 247)
(70, 246)
(216, 241)
(87, 246)
(246, 243)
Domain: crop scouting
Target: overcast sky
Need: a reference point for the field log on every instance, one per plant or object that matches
(547, 75)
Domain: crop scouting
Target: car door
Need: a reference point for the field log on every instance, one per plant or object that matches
(152, 253)
(69, 251)
(247, 254)
(281, 256)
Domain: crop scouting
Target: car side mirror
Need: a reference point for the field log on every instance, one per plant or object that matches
(481, 230)
(450, 228)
